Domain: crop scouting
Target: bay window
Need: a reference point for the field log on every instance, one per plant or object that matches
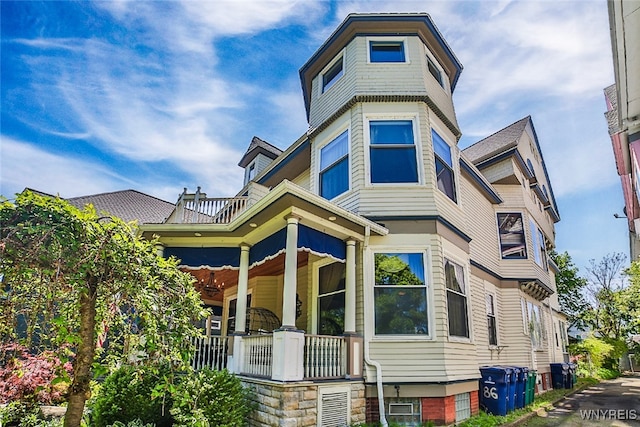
(445, 176)
(400, 294)
(392, 151)
(512, 240)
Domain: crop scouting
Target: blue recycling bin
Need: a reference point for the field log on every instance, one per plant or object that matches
(494, 389)
(559, 374)
(520, 386)
(512, 390)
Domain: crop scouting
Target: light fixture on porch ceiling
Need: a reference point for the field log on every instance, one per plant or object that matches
(210, 288)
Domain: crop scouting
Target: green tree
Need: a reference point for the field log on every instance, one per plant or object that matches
(70, 275)
(571, 289)
(608, 318)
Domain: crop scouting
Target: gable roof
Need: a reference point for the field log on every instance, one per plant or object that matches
(498, 143)
(129, 205)
(258, 146)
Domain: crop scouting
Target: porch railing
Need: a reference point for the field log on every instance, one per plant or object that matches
(324, 357)
(258, 355)
(219, 210)
(210, 352)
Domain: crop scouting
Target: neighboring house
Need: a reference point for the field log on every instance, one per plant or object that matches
(394, 264)
(623, 109)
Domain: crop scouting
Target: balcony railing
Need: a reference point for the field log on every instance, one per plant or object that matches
(197, 208)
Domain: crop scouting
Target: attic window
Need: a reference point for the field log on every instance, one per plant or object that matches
(252, 172)
(333, 74)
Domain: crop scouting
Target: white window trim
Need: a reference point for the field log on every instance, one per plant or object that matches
(416, 141)
(465, 271)
(369, 296)
(326, 141)
(403, 40)
(315, 290)
(495, 316)
(455, 160)
(339, 57)
(430, 58)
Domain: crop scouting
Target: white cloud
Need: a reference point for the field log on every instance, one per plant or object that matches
(24, 165)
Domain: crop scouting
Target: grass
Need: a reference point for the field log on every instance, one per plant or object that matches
(542, 401)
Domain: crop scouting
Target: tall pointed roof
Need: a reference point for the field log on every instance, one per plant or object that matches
(497, 143)
(259, 146)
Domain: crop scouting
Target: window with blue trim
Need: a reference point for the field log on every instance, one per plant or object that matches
(392, 151)
(334, 167)
(444, 166)
(386, 51)
(400, 294)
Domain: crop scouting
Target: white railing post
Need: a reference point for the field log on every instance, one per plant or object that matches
(288, 355)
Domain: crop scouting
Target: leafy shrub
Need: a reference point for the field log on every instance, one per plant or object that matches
(129, 395)
(25, 414)
(135, 423)
(209, 398)
(36, 378)
(607, 374)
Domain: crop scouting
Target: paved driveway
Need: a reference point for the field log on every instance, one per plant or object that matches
(610, 403)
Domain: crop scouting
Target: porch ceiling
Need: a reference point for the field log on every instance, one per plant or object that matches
(227, 278)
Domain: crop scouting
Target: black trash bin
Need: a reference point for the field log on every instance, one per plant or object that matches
(559, 374)
(521, 386)
(571, 376)
(494, 389)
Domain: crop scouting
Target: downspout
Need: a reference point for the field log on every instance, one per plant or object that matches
(367, 358)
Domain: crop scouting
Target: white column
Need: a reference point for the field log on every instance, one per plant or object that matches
(160, 249)
(243, 285)
(290, 275)
(350, 289)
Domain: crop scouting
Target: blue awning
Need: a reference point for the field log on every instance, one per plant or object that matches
(309, 240)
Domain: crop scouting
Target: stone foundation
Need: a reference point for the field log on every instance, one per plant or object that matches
(297, 404)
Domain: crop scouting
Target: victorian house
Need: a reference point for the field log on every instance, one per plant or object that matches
(371, 268)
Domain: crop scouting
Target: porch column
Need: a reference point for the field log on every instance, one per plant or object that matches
(290, 275)
(243, 285)
(350, 290)
(160, 249)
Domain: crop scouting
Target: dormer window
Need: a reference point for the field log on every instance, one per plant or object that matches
(386, 51)
(333, 73)
(252, 172)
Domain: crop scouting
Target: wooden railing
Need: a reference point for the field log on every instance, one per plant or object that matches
(324, 357)
(258, 355)
(210, 353)
(219, 210)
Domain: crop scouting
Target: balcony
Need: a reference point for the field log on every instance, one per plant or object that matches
(197, 208)
(324, 357)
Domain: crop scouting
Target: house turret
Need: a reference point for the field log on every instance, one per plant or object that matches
(258, 156)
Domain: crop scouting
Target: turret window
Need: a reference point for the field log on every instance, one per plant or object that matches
(386, 51)
(332, 74)
(434, 70)
(393, 151)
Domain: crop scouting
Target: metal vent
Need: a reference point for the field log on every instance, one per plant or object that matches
(334, 410)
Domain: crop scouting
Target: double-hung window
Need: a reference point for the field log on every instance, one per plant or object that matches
(334, 167)
(392, 151)
(512, 240)
(491, 320)
(386, 51)
(534, 323)
(456, 299)
(400, 294)
(333, 74)
(444, 166)
(539, 247)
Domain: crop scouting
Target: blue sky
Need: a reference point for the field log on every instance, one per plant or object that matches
(161, 95)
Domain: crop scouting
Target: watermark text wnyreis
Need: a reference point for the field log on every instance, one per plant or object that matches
(608, 414)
